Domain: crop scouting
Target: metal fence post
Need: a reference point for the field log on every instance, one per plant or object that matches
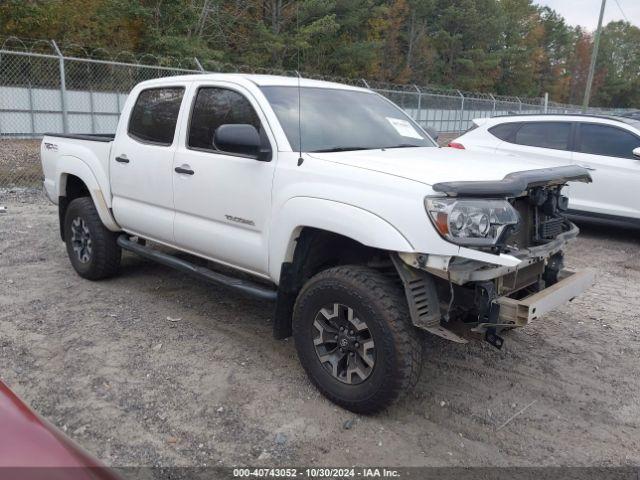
(493, 108)
(546, 102)
(63, 89)
(419, 113)
(92, 112)
(32, 118)
(461, 108)
(198, 64)
(519, 104)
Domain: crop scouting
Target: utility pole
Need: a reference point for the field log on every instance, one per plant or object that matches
(594, 55)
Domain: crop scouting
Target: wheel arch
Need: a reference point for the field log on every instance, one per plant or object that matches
(75, 180)
(308, 213)
(310, 234)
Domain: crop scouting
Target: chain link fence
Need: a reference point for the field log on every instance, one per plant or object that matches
(68, 89)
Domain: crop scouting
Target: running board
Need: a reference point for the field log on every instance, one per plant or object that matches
(245, 286)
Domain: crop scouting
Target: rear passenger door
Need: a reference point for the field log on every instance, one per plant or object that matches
(607, 151)
(546, 143)
(141, 163)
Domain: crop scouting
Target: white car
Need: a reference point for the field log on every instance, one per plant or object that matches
(609, 147)
(340, 209)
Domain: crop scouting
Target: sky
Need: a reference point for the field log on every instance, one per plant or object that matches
(585, 12)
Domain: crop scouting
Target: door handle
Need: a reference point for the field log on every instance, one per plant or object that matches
(122, 159)
(185, 170)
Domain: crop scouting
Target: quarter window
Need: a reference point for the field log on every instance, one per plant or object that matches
(606, 140)
(505, 130)
(155, 114)
(214, 107)
(544, 134)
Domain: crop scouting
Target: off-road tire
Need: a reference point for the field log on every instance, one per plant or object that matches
(104, 259)
(379, 301)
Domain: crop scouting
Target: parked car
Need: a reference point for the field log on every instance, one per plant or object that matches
(609, 147)
(633, 115)
(338, 207)
(32, 448)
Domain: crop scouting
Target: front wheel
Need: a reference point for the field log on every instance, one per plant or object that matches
(92, 248)
(354, 337)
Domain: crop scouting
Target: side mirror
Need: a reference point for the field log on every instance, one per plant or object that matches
(432, 132)
(636, 152)
(242, 139)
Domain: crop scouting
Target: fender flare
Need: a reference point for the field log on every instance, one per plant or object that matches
(70, 165)
(343, 219)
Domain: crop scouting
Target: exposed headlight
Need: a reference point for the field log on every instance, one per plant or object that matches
(473, 222)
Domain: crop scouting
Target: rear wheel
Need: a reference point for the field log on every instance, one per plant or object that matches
(92, 248)
(354, 337)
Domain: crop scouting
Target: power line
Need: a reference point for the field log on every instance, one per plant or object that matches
(622, 11)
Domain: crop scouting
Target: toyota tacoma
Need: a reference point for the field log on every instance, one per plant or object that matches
(330, 202)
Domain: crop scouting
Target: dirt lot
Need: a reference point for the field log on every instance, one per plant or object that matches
(104, 362)
(19, 164)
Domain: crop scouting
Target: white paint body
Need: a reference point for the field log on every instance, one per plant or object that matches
(375, 197)
(615, 180)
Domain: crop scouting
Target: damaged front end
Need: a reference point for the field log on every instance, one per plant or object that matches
(446, 293)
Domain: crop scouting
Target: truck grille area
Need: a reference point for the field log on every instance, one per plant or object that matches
(541, 218)
(551, 228)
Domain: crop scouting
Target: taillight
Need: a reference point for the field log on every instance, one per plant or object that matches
(459, 146)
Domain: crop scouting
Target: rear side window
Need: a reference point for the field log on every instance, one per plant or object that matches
(544, 134)
(214, 107)
(606, 140)
(155, 114)
(505, 131)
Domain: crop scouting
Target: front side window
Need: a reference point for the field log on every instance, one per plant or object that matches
(333, 119)
(544, 135)
(214, 107)
(606, 140)
(155, 114)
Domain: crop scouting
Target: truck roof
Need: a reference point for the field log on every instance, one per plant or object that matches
(259, 80)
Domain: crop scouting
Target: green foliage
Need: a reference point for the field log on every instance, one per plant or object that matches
(511, 47)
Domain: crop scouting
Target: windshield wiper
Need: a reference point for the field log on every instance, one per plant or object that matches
(339, 149)
(405, 145)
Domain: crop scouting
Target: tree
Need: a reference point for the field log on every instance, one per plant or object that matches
(618, 66)
(511, 47)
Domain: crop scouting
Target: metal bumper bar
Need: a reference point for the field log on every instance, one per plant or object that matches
(520, 312)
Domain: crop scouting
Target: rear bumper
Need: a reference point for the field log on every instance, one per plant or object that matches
(520, 312)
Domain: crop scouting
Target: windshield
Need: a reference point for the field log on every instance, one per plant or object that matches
(334, 120)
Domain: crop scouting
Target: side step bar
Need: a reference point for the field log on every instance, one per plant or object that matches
(245, 286)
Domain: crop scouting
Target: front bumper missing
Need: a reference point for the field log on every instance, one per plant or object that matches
(500, 312)
(518, 313)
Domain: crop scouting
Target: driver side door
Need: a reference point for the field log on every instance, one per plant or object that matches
(222, 200)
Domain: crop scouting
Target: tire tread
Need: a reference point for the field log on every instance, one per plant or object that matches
(391, 301)
(106, 251)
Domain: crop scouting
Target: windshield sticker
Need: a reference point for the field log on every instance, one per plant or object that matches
(404, 128)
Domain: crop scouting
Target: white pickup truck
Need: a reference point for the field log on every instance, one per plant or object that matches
(331, 202)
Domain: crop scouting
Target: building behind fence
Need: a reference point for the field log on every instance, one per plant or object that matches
(45, 88)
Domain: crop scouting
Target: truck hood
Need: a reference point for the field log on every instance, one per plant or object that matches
(430, 165)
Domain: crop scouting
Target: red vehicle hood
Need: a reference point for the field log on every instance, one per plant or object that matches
(31, 448)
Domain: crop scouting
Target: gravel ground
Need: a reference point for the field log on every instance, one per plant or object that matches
(19, 164)
(156, 368)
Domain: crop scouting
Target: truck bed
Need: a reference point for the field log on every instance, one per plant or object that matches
(60, 154)
(94, 137)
